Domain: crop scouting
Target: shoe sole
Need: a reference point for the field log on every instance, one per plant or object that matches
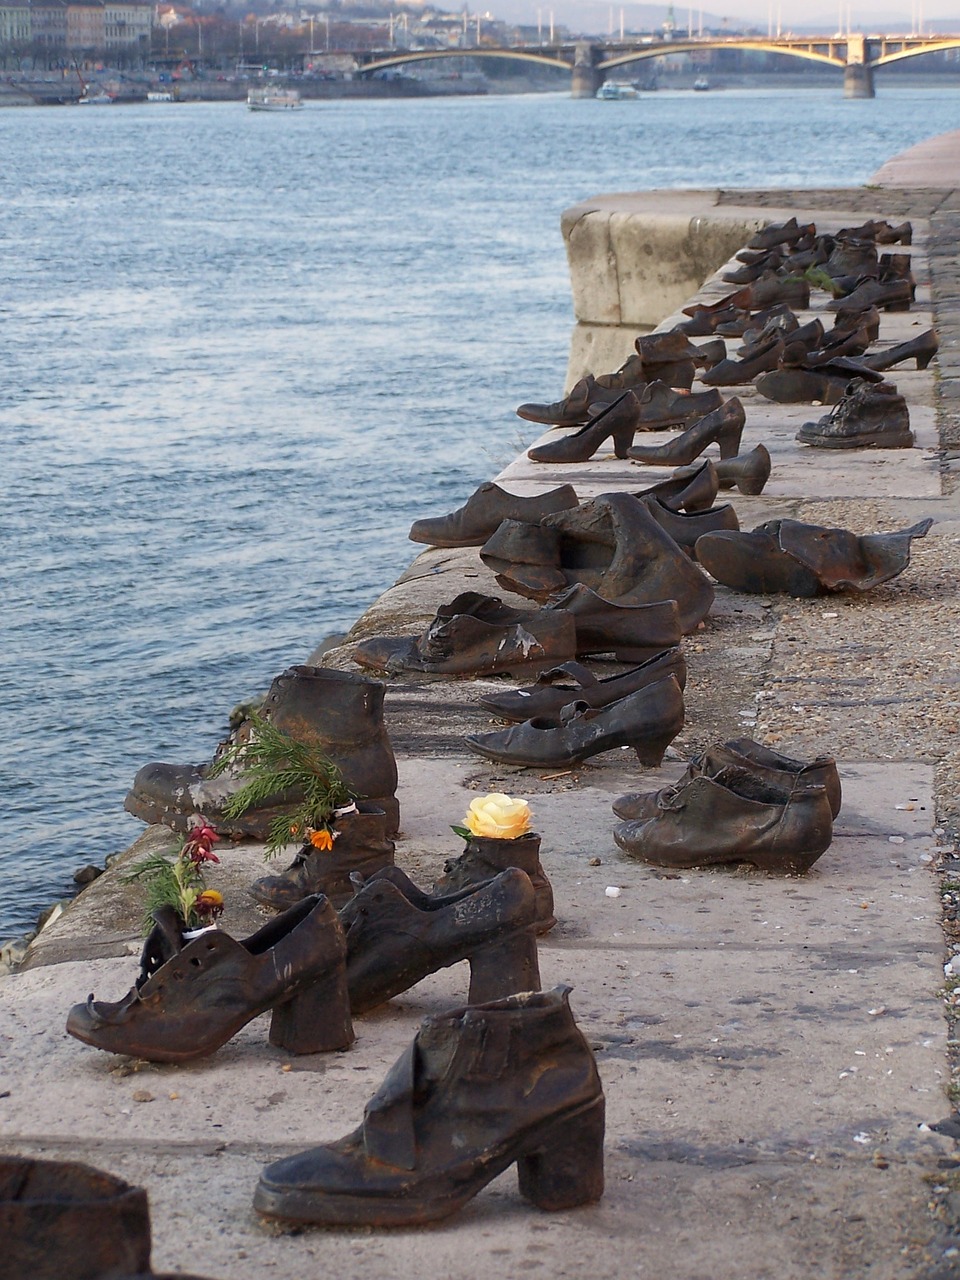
(874, 440)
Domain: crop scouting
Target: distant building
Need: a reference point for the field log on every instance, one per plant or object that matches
(86, 28)
(127, 24)
(49, 24)
(15, 25)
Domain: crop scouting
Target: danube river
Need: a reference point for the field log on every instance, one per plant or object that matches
(243, 351)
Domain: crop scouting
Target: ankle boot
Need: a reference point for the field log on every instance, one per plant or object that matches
(633, 632)
(895, 296)
(572, 682)
(870, 416)
(474, 635)
(764, 765)
(730, 818)
(480, 516)
(696, 490)
(749, 472)
(61, 1220)
(734, 373)
(395, 939)
(338, 713)
(203, 995)
(613, 545)
(479, 1088)
(360, 847)
(617, 419)
(922, 349)
(571, 411)
(485, 857)
(648, 721)
(724, 426)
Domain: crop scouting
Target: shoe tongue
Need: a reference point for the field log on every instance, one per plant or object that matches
(162, 943)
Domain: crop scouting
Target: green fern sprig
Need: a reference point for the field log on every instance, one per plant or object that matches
(279, 770)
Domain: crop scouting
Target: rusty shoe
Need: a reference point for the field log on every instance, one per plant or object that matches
(484, 857)
(481, 515)
(763, 763)
(216, 984)
(396, 936)
(730, 818)
(869, 416)
(478, 1089)
(475, 635)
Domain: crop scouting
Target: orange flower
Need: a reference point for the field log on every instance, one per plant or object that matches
(322, 839)
(209, 904)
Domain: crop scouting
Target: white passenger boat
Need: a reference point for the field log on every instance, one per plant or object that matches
(274, 100)
(617, 91)
(160, 95)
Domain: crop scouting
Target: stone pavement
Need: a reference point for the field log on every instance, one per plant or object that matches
(772, 1049)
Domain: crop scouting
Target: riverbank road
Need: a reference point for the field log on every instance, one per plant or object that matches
(774, 1051)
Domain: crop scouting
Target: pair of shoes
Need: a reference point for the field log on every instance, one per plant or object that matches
(806, 559)
(478, 1089)
(573, 682)
(647, 720)
(736, 814)
(611, 544)
(749, 472)
(869, 416)
(475, 635)
(337, 713)
(743, 753)
(483, 512)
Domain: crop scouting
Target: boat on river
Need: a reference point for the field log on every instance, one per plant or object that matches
(701, 84)
(274, 100)
(96, 99)
(617, 91)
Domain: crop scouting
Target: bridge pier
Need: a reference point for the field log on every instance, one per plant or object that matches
(586, 79)
(858, 81)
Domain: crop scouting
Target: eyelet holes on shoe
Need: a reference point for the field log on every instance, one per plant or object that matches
(196, 962)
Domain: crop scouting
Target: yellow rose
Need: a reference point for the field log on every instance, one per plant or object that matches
(498, 817)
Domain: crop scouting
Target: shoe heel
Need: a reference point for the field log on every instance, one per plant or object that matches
(622, 440)
(729, 441)
(566, 1170)
(504, 967)
(317, 1019)
(924, 360)
(650, 753)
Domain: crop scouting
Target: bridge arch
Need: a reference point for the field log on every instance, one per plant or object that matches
(938, 46)
(691, 46)
(432, 55)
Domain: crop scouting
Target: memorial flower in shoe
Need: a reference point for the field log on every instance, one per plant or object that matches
(496, 817)
(178, 884)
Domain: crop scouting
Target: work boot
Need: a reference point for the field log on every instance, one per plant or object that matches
(335, 712)
(360, 847)
(765, 765)
(475, 635)
(479, 1088)
(65, 1221)
(730, 818)
(485, 857)
(480, 516)
(868, 417)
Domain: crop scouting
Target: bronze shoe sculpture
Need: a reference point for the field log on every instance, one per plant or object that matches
(339, 713)
(571, 411)
(743, 753)
(793, 385)
(215, 984)
(922, 349)
(685, 527)
(749, 472)
(485, 857)
(868, 417)
(480, 516)
(695, 490)
(360, 847)
(780, 233)
(479, 1088)
(632, 631)
(618, 419)
(734, 373)
(572, 682)
(397, 935)
(895, 295)
(723, 426)
(730, 818)
(659, 406)
(475, 635)
(806, 559)
(648, 721)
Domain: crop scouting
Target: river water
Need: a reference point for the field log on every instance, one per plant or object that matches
(243, 351)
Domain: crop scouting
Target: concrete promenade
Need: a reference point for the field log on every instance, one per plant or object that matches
(773, 1050)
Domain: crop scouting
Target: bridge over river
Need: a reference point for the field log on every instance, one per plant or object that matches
(856, 56)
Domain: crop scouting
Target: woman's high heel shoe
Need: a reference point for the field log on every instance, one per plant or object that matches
(478, 1089)
(618, 419)
(200, 997)
(922, 349)
(724, 426)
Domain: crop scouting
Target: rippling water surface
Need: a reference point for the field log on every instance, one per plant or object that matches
(242, 352)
